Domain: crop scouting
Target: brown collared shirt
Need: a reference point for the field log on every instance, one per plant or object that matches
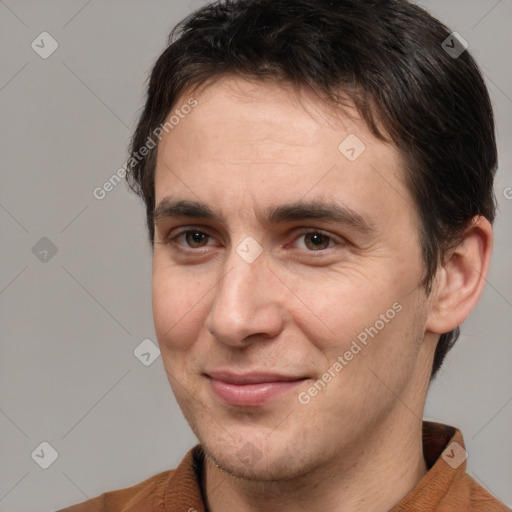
(445, 488)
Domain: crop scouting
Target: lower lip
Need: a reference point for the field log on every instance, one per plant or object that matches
(250, 395)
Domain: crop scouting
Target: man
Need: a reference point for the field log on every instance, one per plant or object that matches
(317, 177)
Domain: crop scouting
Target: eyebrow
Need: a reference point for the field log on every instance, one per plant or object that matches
(298, 210)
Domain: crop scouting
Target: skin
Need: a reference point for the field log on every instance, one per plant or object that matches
(357, 444)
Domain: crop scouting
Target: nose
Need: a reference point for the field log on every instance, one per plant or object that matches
(246, 305)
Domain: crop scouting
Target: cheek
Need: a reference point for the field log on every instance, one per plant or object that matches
(333, 311)
(178, 306)
(366, 376)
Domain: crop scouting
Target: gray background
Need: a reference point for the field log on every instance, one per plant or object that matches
(70, 325)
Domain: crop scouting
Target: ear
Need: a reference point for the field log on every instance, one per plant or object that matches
(461, 278)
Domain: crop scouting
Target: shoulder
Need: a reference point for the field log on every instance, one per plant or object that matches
(468, 492)
(162, 492)
(148, 494)
(447, 487)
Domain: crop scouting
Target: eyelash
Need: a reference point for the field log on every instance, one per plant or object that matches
(171, 241)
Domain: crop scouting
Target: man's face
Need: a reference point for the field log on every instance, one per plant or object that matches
(250, 313)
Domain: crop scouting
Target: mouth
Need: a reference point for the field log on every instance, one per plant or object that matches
(251, 389)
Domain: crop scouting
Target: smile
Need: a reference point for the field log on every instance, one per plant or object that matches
(251, 390)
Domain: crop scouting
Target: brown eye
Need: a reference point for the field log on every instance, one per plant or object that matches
(195, 239)
(316, 241)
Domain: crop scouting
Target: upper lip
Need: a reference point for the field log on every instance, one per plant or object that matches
(251, 378)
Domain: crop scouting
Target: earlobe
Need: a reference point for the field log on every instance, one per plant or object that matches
(461, 278)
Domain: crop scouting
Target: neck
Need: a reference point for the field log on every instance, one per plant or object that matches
(372, 477)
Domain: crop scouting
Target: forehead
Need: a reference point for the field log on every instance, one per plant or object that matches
(267, 143)
(265, 112)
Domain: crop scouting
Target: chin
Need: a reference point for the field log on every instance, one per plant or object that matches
(257, 467)
(256, 457)
(248, 448)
